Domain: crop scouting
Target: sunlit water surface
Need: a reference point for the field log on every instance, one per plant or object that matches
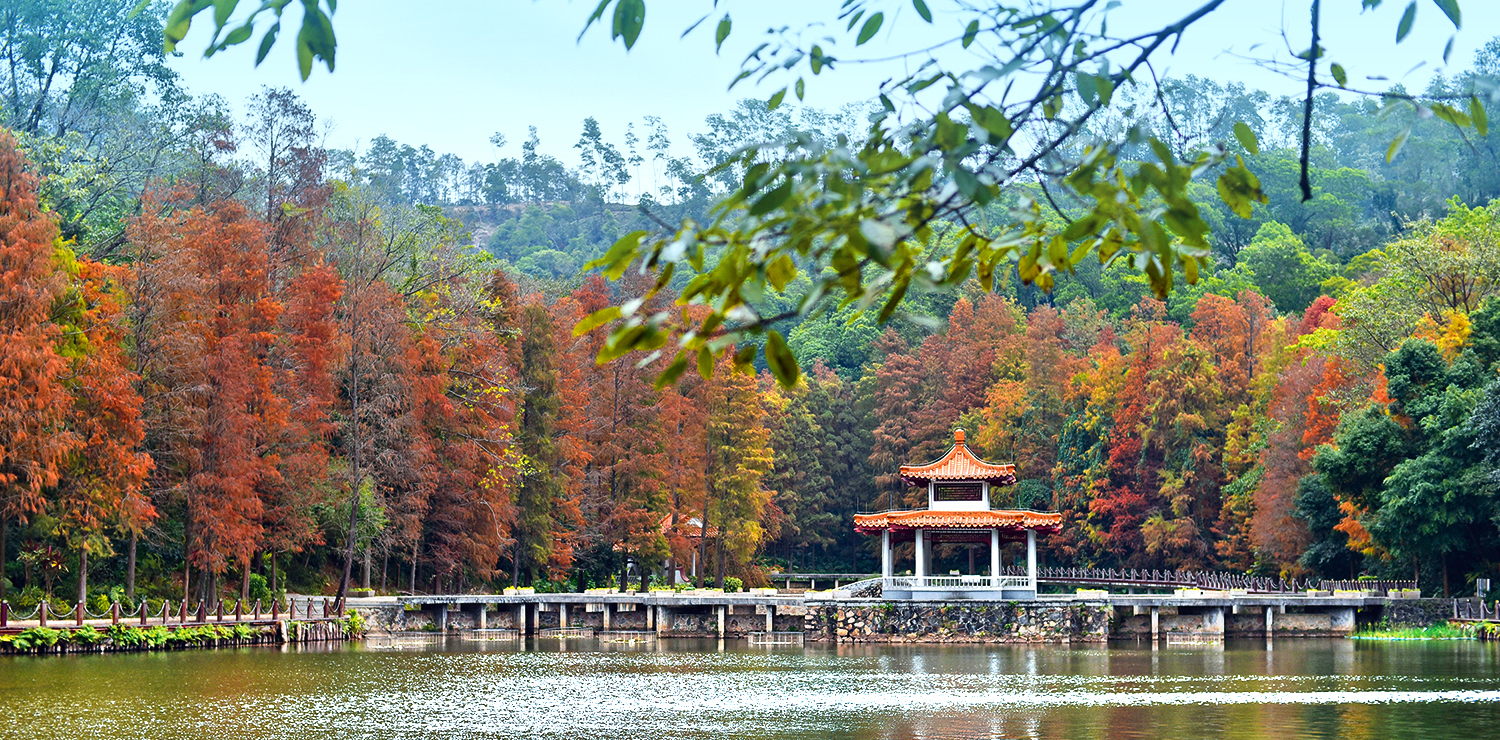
(697, 688)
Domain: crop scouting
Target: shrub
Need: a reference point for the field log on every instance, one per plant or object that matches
(259, 589)
(35, 638)
(98, 603)
(29, 597)
(156, 636)
(354, 624)
(86, 635)
(117, 595)
(733, 585)
(125, 637)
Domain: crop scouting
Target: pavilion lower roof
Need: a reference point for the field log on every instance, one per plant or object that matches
(1006, 519)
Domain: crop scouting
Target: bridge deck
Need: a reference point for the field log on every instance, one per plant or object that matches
(671, 599)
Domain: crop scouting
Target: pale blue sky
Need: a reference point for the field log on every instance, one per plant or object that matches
(449, 73)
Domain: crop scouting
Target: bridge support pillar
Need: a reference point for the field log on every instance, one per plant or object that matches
(1269, 611)
(1214, 620)
(721, 609)
(604, 617)
(663, 620)
(562, 615)
(482, 616)
(519, 622)
(442, 617)
(1155, 623)
(770, 618)
(1341, 619)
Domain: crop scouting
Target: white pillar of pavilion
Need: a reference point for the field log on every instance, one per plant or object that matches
(921, 553)
(994, 555)
(1031, 559)
(886, 567)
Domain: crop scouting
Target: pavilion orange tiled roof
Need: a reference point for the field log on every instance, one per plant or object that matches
(959, 464)
(687, 526)
(926, 519)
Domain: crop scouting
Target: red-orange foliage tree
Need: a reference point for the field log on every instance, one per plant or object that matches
(212, 383)
(34, 404)
(466, 402)
(611, 413)
(303, 360)
(102, 485)
(683, 420)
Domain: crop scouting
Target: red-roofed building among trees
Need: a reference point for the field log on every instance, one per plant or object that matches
(958, 513)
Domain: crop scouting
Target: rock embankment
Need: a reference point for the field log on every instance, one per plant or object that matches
(1010, 622)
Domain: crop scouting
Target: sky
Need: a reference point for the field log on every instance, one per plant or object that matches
(450, 73)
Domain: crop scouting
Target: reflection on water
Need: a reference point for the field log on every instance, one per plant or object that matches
(418, 686)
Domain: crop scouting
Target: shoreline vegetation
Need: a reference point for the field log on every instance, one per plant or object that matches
(1441, 631)
(354, 626)
(238, 363)
(127, 638)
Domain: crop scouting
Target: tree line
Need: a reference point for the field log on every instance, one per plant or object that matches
(239, 360)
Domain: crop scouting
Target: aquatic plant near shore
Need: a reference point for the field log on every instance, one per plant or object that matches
(1383, 631)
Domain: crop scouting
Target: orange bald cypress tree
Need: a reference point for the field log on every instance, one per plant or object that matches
(611, 414)
(34, 404)
(468, 410)
(302, 359)
(208, 370)
(102, 485)
(683, 422)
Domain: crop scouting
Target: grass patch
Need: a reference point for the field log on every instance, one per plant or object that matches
(1434, 632)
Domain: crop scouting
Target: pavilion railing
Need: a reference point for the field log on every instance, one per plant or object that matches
(957, 583)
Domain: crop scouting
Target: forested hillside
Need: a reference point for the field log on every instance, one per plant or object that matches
(233, 359)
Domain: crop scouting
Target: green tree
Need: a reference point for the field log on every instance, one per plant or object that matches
(738, 456)
(1420, 482)
(1328, 550)
(1438, 271)
(1283, 269)
(1367, 446)
(539, 487)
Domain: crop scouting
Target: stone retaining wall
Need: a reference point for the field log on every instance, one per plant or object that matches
(1401, 613)
(1015, 621)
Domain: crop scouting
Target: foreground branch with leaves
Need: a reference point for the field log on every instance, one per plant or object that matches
(966, 170)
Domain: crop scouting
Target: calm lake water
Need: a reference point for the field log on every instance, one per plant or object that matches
(695, 689)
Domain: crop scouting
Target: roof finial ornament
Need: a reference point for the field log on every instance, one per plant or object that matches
(958, 436)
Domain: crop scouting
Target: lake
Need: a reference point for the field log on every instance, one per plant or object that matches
(703, 688)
